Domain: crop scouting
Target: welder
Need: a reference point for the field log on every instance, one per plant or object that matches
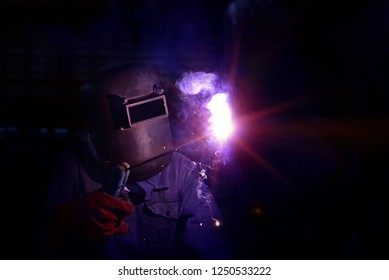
(123, 191)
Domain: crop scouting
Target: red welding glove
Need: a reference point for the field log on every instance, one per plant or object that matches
(94, 217)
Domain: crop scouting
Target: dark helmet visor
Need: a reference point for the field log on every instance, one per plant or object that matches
(147, 110)
(129, 114)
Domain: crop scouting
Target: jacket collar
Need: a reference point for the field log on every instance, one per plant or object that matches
(155, 183)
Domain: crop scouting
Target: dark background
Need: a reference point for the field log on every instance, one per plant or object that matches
(308, 172)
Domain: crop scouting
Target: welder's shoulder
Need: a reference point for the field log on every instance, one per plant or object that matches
(179, 159)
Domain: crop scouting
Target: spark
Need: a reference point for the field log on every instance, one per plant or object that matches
(195, 83)
(207, 111)
(204, 194)
(221, 116)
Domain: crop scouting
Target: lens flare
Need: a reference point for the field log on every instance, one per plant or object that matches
(221, 116)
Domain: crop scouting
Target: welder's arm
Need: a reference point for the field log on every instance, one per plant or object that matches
(203, 231)
(92, 216)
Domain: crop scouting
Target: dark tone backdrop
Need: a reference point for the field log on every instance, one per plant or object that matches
(308, 174)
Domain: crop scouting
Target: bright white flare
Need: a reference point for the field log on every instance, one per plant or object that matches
(221, 116)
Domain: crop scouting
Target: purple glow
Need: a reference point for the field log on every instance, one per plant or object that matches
(220, 118)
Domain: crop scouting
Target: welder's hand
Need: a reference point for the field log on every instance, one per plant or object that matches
(94, 216)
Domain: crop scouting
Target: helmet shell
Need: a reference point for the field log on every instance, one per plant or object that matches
(142, 140)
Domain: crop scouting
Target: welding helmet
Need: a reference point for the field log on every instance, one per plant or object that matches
(127, 116)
